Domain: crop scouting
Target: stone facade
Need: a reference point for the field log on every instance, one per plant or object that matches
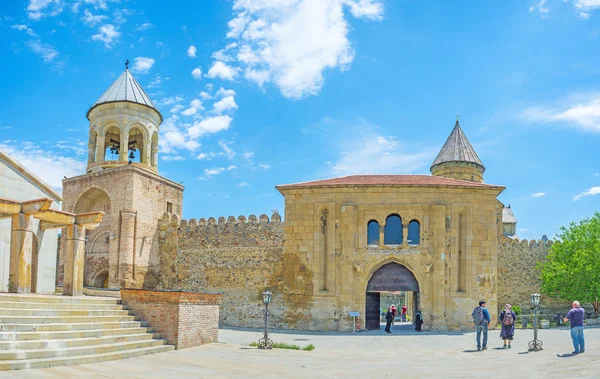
(184, 319)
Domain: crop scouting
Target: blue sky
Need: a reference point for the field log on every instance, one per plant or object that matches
(266, 92)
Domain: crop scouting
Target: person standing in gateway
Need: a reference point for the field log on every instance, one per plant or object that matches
(576, 317)
(404, 309)
(481, 319)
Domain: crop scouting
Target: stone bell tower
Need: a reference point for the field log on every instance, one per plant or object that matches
(122, 180)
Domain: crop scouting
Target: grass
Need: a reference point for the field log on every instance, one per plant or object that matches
(284, 345)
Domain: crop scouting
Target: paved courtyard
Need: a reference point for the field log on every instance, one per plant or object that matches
(371, 354)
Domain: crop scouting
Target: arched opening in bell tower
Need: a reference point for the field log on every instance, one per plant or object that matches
(135, 145)
(113, 144)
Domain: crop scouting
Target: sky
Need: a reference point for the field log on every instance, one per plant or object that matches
(266, 92)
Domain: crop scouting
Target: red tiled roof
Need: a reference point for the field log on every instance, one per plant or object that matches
(388, 180)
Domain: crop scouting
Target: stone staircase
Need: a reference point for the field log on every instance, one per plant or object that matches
(39, 331)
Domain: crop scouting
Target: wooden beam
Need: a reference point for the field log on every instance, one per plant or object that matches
(33, 207)
(57, 217)
(9, 207)
(90, 220)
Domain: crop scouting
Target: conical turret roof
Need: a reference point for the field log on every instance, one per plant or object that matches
(457, 149)
(125, 88)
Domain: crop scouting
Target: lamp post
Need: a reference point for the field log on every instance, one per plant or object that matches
(535, 345)
(265, 342)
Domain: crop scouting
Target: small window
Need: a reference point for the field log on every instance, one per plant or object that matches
(373, 233)
(414, 233)
(169, 207)
(393, 230)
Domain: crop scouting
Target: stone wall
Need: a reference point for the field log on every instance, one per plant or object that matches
(236, 257)
(184, 319)
(519, 277)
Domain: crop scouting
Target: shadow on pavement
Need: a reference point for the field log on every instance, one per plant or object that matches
(471, 351)
(568, 355)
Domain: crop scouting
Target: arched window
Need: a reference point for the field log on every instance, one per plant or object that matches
(373, 233)
(393, 230)
(414, 233)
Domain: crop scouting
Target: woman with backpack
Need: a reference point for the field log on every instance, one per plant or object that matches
(508, 318)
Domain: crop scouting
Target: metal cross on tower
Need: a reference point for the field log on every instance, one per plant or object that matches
(127, 64)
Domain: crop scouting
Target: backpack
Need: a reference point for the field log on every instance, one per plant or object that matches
(508, 318)
(477, 315)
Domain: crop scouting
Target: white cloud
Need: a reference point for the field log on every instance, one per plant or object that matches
(540, 6)
(539, 194)
(264, 166)
(107, 34)
(205, 95)
(227, 151)
(170, 100)
(584, 7)
(225, 92)
(523, 230)
(144, 26)
(172, 158)
(37, 9)
(191, 51)
(209, 126)
(174, 136)
(195, 106)
(155, 82)
(596, 174)
(232, 167)
(91, 19)
(376, 154)
(142, 65)
(202, 156)
(580, 111)
(176, 108)
(197, 73)
(225, 104)
(48, 165)
(243, 184)
(47, 52)
(591, 192)
(213, 171)
(25, 28)
(249, 156)
(222, 71)
(292, 43)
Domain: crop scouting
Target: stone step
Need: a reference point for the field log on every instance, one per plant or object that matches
(67, 327)
(34, 298)
(75, 307)
(43, 312)
(77, 351)
(73, 342)
(62, 335)
(80, 360)
(62, 319)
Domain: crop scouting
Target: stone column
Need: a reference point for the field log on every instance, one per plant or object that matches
(126, 248)
(91, 153)
(146, 157)
(73, 280)
(155, 156)
(100, 148)
(405, 234)
(438, 221)
(21, 240)
(123, 151)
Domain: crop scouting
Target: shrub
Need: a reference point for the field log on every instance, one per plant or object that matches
(284, 345)
(517, 310)
(310, 347)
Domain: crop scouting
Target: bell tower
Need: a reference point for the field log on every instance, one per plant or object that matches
(124, 126)
(122, 180)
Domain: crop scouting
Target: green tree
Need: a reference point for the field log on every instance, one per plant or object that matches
(571, 270)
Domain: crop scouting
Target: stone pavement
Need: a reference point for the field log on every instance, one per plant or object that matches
(402, 354)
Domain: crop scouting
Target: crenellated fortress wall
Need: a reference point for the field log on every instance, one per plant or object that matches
(238, 257)
(519, 276)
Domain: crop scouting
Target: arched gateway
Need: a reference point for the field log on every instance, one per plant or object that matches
(391, 277)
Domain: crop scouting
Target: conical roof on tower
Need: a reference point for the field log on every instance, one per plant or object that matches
(457, 149)
(127, 89)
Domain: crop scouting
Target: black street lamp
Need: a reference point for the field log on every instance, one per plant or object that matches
(265, 342)
(535, 345)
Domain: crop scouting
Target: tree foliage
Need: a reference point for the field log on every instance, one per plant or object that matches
(571, 270)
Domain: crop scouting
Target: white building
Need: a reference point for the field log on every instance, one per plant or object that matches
(18, 183)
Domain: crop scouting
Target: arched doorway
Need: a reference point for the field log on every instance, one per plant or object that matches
(389, 278)
(97, 241)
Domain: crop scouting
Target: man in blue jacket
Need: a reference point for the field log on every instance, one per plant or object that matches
(481, 319)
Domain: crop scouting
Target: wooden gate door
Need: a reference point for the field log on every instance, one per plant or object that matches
(372, 316)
